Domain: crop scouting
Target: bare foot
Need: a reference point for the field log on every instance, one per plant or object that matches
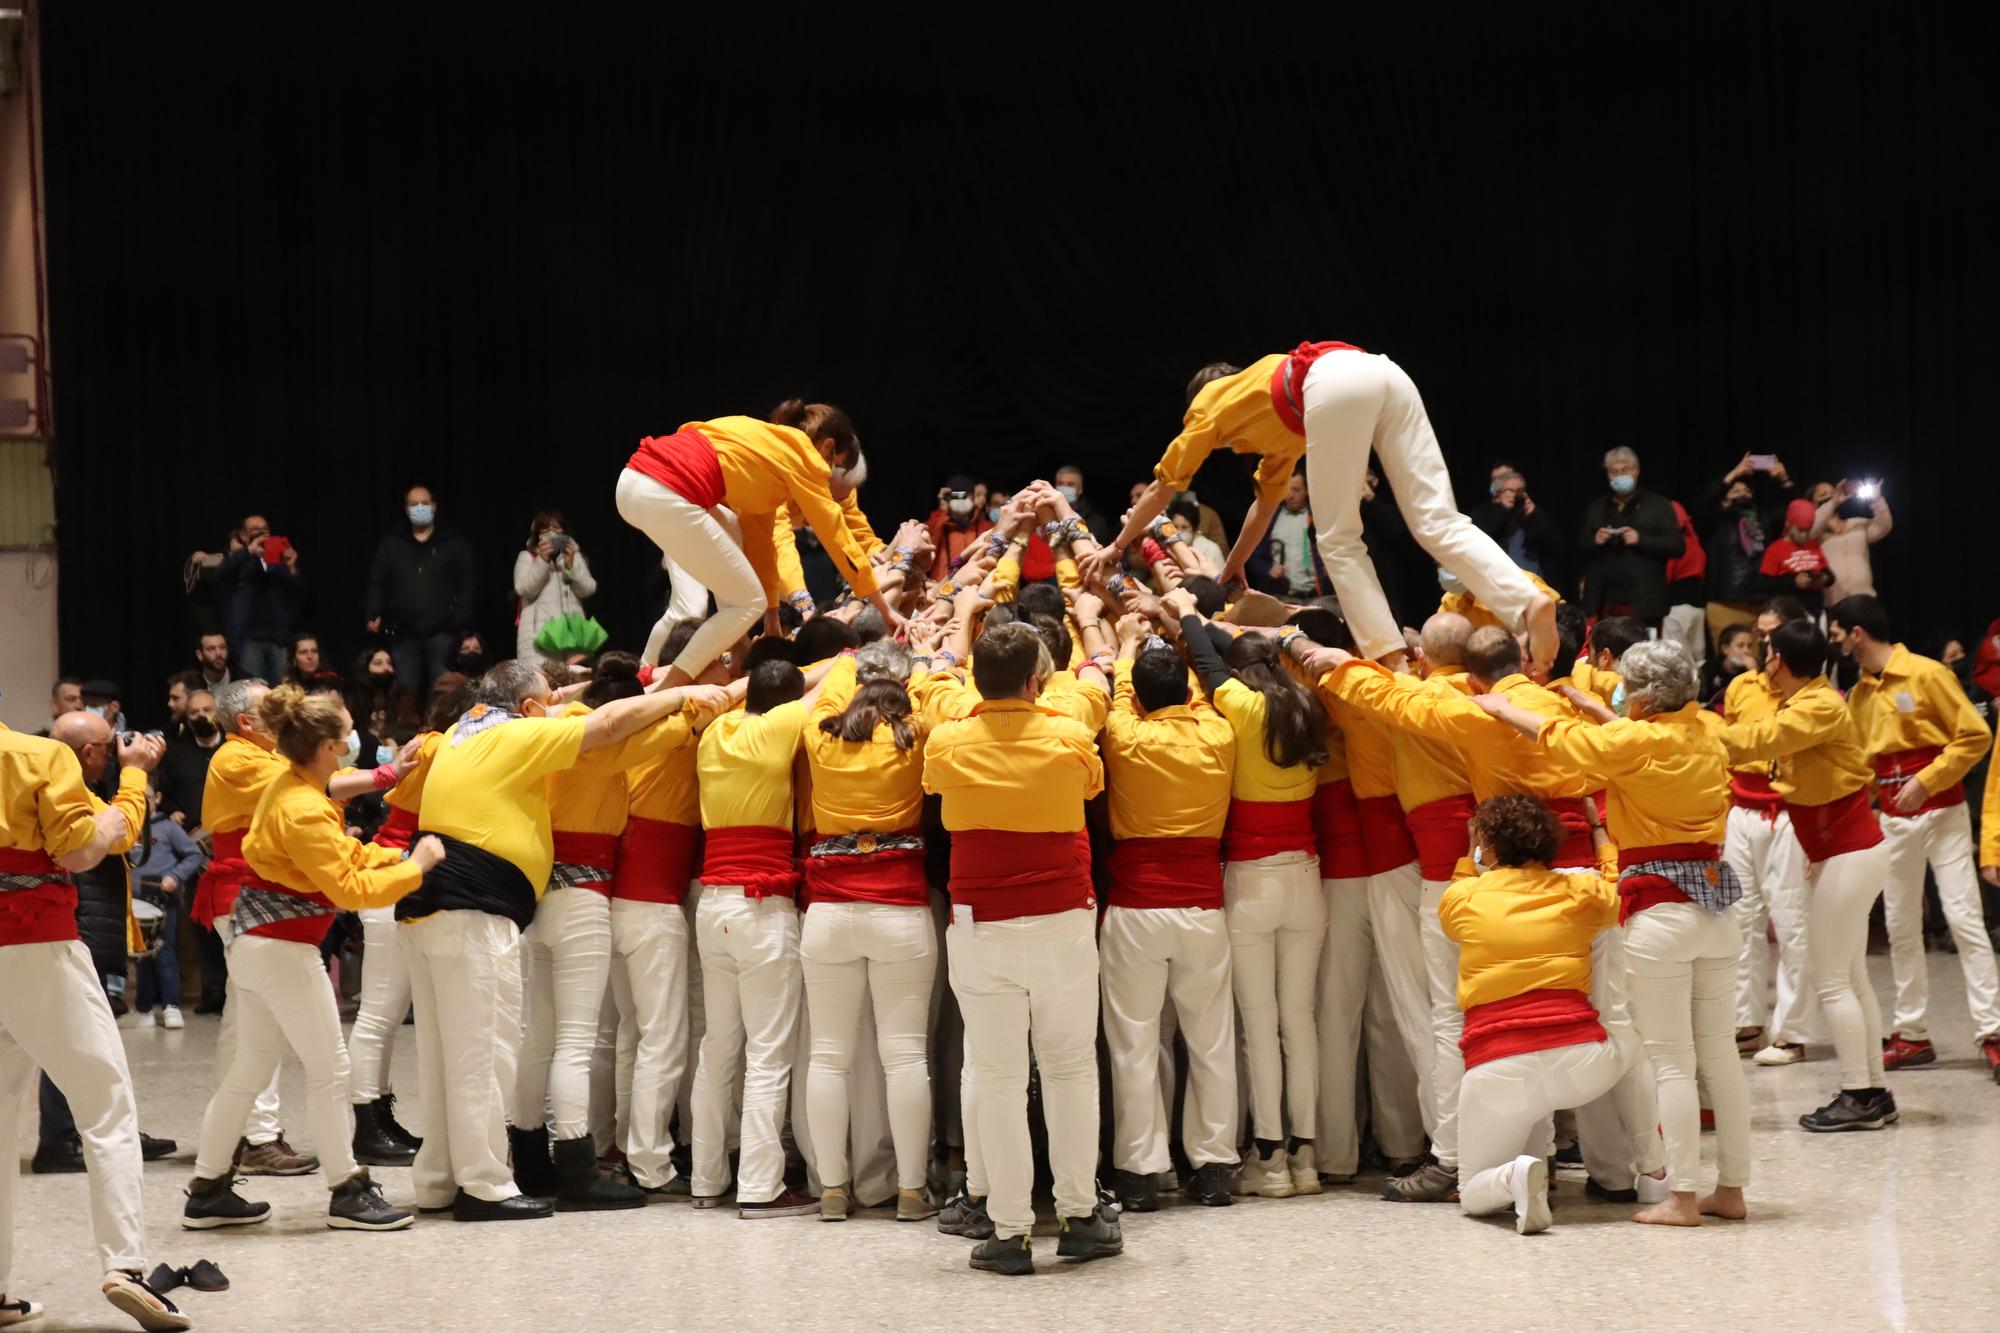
(1542, 636)
(1678, 1211)
(1727, 1201)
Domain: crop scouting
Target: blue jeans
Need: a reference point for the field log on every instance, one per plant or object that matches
(160, 975)
(263, 660)
(421, 661)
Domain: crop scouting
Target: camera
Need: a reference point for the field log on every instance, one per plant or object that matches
(560, 543)
(1868, 490)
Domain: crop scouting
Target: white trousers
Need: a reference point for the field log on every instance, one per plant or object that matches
(1680, 963)
(465, 983)
(1841, 889)
(286, 1000)
(882, 956)
(1031, 980)
(1943, 838)
(567, 956)
(263, 1125)
(1277, 927)
(1772, 866)
(751, 990)
(649, 981)
(1617, 1133)
(1447, 1025)
(1355, 1005)
(53, 1015)
(1354, 403)
(1395, 908)
(1147, 954)
(704, 554)
(1505, 1108)
(385, 999)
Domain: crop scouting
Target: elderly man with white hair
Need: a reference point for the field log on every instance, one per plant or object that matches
(1628, 536)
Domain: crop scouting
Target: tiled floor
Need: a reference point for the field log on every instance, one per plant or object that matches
(1891, 1230)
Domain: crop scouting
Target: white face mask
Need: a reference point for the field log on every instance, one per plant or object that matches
(960, 508)
(352, 754)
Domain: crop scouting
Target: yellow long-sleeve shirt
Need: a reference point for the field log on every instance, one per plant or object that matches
(745, 767)
(1668, 774)
(1989, 827)
(488, 788)
(1499, 760)
(1592, 680)
(47, 808)
(792, 574)
(297, 839)
(1916, 703)
(870, 786)
(1235, 413)
(1168, 771)
(592, 795)
(408, 795)
(1428, 769)
(666, 788)
(1371, 757)
(242, 768)
(1478, 613)
(1751, 697)
(766, 466)
(1816, 741)
(1013, 765)
(1256, 778)
(945, 696)
(1527, 928)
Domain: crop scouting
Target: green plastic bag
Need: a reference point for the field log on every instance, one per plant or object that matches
(571, 633)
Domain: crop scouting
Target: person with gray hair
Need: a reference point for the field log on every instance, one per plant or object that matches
(1667, 773)
(1628, 536)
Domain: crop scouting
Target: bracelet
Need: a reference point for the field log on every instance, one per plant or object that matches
(1102, 661)
(997, 544)
(1289, 637)
(1051, 531)
(945, 591)
(802, 601)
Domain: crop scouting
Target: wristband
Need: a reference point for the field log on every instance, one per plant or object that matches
(1288, 638)
(997, 544)
(386, 777)
(948, 655)
(1117, 584)
(1102, 661)
(1155, 553)
(802, 602)
(1051, 531)
(945, 591)
(646, 675)
(1153, 641)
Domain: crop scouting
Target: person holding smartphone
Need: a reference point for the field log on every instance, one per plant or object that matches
(551, 579)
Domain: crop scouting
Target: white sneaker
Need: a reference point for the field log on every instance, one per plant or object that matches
(1780, 1053)
(1652, 1189)
(170, 1018)
(1304, 1173)
(1530, 1184)
(132, 1018)
(19, 1311)
(1266, 1177)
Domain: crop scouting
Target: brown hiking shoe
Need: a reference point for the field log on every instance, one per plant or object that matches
(276, 1158)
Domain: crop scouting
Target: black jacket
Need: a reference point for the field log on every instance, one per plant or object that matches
(182, 777)
(1735, 538)
(259, 602)
(1542, 544)
(422, 588)
(1633, 574)
(100, 894)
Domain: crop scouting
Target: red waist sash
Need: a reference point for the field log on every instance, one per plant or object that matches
(1385, 833)
(594, 851)
(1576, 853)
(1438, 828)
(1845, 825)
(753, 857)
(1753, 791)
(684, 463)
(215, 894)
(398, 830)
(1001, 874)
(1536, 1020)
(868, 875)
(1257, 829)
(1636, 893)
(1343, 854)
(43, 914)
(1167, 872)
(656, 860)
(1893, 770)
(1288, 382)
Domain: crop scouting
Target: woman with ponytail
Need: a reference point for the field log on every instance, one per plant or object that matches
(308, 869)
(1271, 892)
(868, 933)
(709, 495)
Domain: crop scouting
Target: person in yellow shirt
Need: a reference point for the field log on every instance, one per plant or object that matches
(868, 937)
(486, 799)
(1534, 1042)
(307, 869)
(566, 950)
(1332, 404)
(1609, 638)
(785, 525)
(53, 1013)
(1825, 779)
(1013, 778)
(1168, 761)
(1275, 911)
(1923, 736)
(708, 495)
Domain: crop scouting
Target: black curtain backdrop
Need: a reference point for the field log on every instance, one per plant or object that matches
(300, 259)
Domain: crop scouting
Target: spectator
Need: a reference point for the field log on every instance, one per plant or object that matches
(1286, 563)
(1187, 515)
(1847, 522)
(198, 576)
(469, 656)
(1527, 532)
(377, 699)
(1629, 535)
(958, 522)
(1687, 592)
(1069, 481)
(173, 862)
(1740, 513)
(1794, 565)
(552, 579)
(259, 586)
(183, 771)
(304, 664)
(66, 696)
(1735, 653)
(211, 656)
(181, 687)
(105, 699)
(420, 591)
(1986, 661)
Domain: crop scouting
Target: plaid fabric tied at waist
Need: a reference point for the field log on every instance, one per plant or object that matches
(570, 875)
(866, 844)
(12, 882)
(1709, 885)
(261, 907)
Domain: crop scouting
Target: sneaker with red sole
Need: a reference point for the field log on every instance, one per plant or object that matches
(1990, 1048)
(1899, 1052)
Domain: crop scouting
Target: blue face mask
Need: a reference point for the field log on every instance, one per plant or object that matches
(1623, 485)
(993, 513)
(1618, 699)
(1493, 487)
(96, 709)
(1069, 493)
(385, 755)
(421, 515)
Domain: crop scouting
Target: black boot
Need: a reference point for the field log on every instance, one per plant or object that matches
(581, 1187)
(373, 1144)
(386, 1104)
(533, 1171)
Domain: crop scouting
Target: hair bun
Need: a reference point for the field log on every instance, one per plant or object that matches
(789, 413)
